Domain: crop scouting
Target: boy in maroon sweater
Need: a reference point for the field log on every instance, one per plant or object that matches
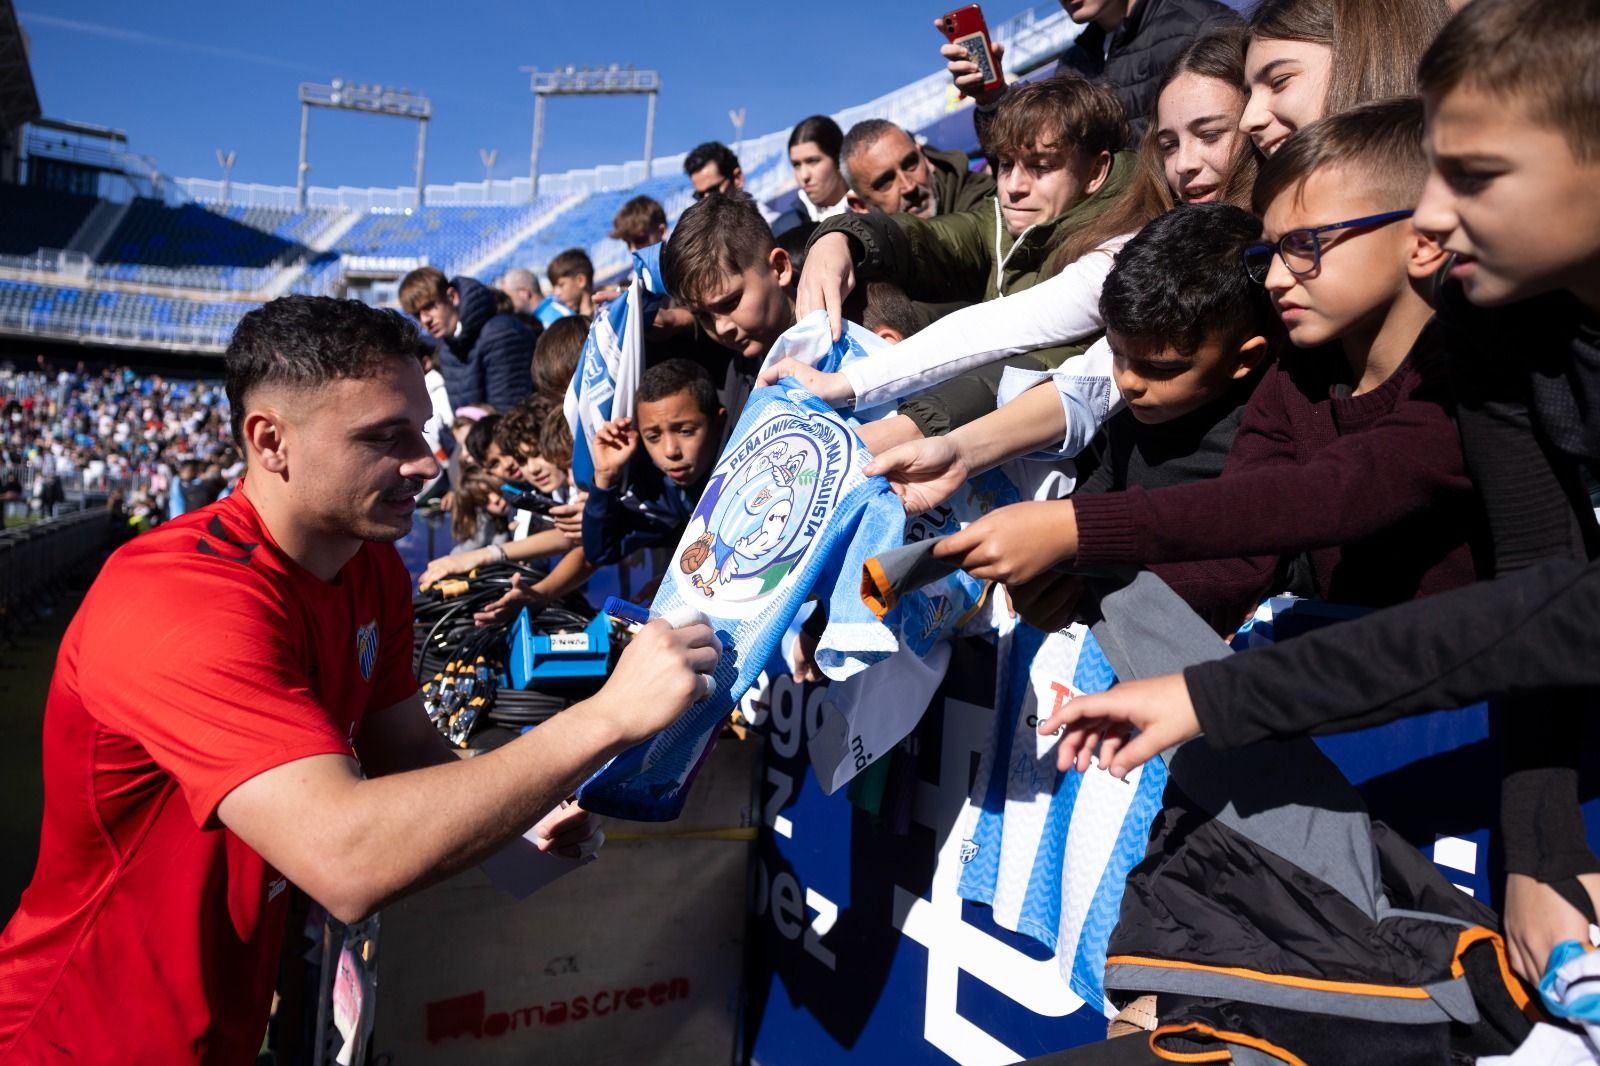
(1514, 143)
(1347, 451)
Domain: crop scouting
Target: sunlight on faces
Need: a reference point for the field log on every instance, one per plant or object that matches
(570, 290)
(750, 310)
(1197, 134)
(1046, 180)
(439, 317)
(541, 473)
(1159, 383)
(354, 454)
(817, 174)
(1362, 271)
(676, 435)
(1288, 83)
(894, 176)
(1507, 196)
(499, 464)
(709, 179)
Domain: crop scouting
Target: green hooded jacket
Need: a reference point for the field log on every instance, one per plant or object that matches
(956, 188)
(969, 255)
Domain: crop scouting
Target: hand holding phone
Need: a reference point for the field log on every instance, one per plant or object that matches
(965, 28)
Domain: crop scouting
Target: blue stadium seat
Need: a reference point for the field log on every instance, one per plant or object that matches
(39, 218)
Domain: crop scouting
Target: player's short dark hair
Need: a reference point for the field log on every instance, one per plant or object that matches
(307, 341)
(1181, 280)
(570, 263)
(821, 131)
(711, 152)
(555, 356)
(1545, 53)
(482, 434)
(1380, 141)
(717, 238)
(672, 376)
(1065, 110)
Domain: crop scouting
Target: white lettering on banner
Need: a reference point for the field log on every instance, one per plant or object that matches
(796, 714)
(786, 908)
(782, 788)
(782, 895)
(827, 914)
(954, 946)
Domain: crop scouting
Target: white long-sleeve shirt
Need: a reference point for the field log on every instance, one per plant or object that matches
(1059, 310)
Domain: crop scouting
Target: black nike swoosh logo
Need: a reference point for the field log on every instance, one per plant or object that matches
(220, 532)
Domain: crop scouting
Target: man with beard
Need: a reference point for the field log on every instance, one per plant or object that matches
(887, 171)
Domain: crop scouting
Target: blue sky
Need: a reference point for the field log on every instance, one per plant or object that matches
(184, 79)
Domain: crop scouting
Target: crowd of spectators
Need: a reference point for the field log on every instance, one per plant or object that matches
(1214, 243)
(155, 445)
(1277, 337)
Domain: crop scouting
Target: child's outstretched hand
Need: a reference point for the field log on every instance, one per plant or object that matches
(446, 566)
(614, 445)
(1014, 544)
(923, 473)
(1129, 725)
(521, 594)
(833, 388)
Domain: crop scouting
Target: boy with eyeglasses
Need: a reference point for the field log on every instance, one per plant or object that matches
(1347, 452)
(1514, 144)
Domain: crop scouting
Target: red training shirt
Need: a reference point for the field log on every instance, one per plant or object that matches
(201, 657)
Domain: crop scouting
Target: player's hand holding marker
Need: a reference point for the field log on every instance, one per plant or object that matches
(684, 620)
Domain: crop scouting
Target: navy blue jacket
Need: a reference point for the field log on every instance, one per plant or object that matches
(491, 358)
(652, 512)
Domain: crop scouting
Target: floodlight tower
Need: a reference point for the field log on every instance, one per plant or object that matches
(370, 99)
(586, 81)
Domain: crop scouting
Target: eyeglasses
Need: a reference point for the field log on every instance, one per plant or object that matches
(719, 189)
(1301, 249)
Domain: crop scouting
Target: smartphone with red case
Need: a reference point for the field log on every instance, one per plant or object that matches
(965, 26)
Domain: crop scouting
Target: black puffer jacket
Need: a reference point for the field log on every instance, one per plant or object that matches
(1146, 43)
(491, 358)
(1142, 49)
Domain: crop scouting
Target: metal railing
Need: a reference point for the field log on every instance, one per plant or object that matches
(35, 558)
(85, 326)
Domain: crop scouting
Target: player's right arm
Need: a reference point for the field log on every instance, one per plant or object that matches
(354, 844)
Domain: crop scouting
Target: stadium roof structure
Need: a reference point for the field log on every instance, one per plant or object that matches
(19, 99)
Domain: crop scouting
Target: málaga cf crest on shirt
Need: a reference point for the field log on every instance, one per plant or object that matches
(367, 648)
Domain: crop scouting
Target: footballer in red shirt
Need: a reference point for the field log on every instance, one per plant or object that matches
(233, 709)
